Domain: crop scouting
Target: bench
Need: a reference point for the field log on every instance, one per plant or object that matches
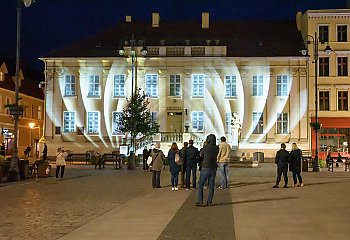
(78, 157)
(112, 157)
(343, 159)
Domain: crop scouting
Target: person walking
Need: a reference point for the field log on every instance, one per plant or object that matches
(183, 166)
(223, 161)
(209, 153)
(156, 165)
(145, 155)
(191, 156)
(175, 168)
(45, 152)
(295, 165)
(282, 159)
(60, 162)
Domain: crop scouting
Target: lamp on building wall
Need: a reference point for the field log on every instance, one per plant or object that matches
(15, 109)
(130, 47)
(314, 40)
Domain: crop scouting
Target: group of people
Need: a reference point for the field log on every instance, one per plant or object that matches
(285, 159)
(186, 160)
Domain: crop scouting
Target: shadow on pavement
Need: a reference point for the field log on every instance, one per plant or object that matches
(254, 200)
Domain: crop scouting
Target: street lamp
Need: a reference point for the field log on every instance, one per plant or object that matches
(17, 110)
(132, 48)
(316, 126)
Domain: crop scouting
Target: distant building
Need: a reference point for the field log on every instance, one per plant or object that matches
(31, 97)
(199, 76)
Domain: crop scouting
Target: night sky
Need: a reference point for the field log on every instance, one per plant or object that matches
(51, 24)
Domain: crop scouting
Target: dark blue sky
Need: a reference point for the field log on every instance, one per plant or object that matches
(51, 24)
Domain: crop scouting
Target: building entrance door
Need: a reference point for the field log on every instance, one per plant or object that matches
(174, 122)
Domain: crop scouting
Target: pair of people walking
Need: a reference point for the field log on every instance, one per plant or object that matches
(293, 159)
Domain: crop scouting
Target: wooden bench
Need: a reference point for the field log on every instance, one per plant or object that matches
(112, 157)
(343, 159)
(78, 157)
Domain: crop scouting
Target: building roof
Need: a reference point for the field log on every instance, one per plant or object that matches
(242, 38)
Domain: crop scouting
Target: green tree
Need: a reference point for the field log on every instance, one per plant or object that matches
(136, 119)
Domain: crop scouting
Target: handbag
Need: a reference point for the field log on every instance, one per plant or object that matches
(178, 159)
(149, 161)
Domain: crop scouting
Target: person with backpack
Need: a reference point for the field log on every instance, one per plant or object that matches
(156, 164)
(175, 160)
(295, 165)
(282, 159)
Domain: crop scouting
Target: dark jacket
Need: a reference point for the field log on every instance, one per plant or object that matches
(210, 153)
(191, 155)
(173, 166)
(145, 154)
(282, 157)
(295, 164)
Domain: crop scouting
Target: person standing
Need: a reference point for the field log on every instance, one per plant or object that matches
(223, 161)
(208, 172)
(183, 166)
(191, 156)
(45, 152)
(60, 162)
(145, 155)
(175, 168)
(295, 165)
(2, 149)
(282, 159)
(156, 165)
(27, 151)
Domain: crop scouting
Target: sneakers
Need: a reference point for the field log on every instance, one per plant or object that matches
(302, 185)
(187, 189)
(276, 186)
(176, 188)
(172, 189)
(220, 187)
(293, 186)
(198, 204)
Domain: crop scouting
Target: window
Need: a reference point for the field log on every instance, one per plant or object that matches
(342, 66)
(152, 85)
(119, 86)
(323, 33)
(324, 100)
(230, 86)
(154, 116)
(258, 122)
(69, 122)
(323, 66)
(197, 85)
(197, 121)
(69, 85)
(39, 112)
(175, 87)
(94, 86)
(115, 123)
(282, 123)
(342, 31)
(93, 122)
(343, 101)
(32, 111)
(258, 85)
(282, 85)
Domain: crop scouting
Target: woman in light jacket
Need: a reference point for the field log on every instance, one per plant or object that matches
(60, 162)
(157, 165)
(173, 166)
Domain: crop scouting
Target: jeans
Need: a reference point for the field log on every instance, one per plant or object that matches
(282, 169)
(58, 170)
(183, 174)
(174, 179)
(156, 179)
(295, 175)
(206, 174)
(191, 167)
(225, 174)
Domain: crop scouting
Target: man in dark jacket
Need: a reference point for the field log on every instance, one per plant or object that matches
(145, 155)
(183, 166)
(191, 156)
(282, 159)
(209, 153)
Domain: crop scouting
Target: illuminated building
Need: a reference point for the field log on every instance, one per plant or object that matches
(198, 75)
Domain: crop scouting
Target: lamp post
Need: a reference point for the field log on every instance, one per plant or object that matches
(316, 126)
(132, 48)
(16, 110)
(43, 86)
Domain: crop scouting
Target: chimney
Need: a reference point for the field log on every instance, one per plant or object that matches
(155, 19)
(205, 20)
(128, 19)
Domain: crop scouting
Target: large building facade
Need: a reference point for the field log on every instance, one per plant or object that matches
(243, 80)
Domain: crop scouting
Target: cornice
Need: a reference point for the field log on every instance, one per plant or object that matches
(329, 14)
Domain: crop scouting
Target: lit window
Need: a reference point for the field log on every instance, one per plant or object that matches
(116, 128)
(258, 85)
(94, 86)
(230, 86)
(282, 85)
(258, 122)
(197, 121)
(39, 112)
(119, 86)
(152, 85)
(282, 123)
(93, 122)
(69, 122)
(175, 86)
(197, 85)
(69, 89)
